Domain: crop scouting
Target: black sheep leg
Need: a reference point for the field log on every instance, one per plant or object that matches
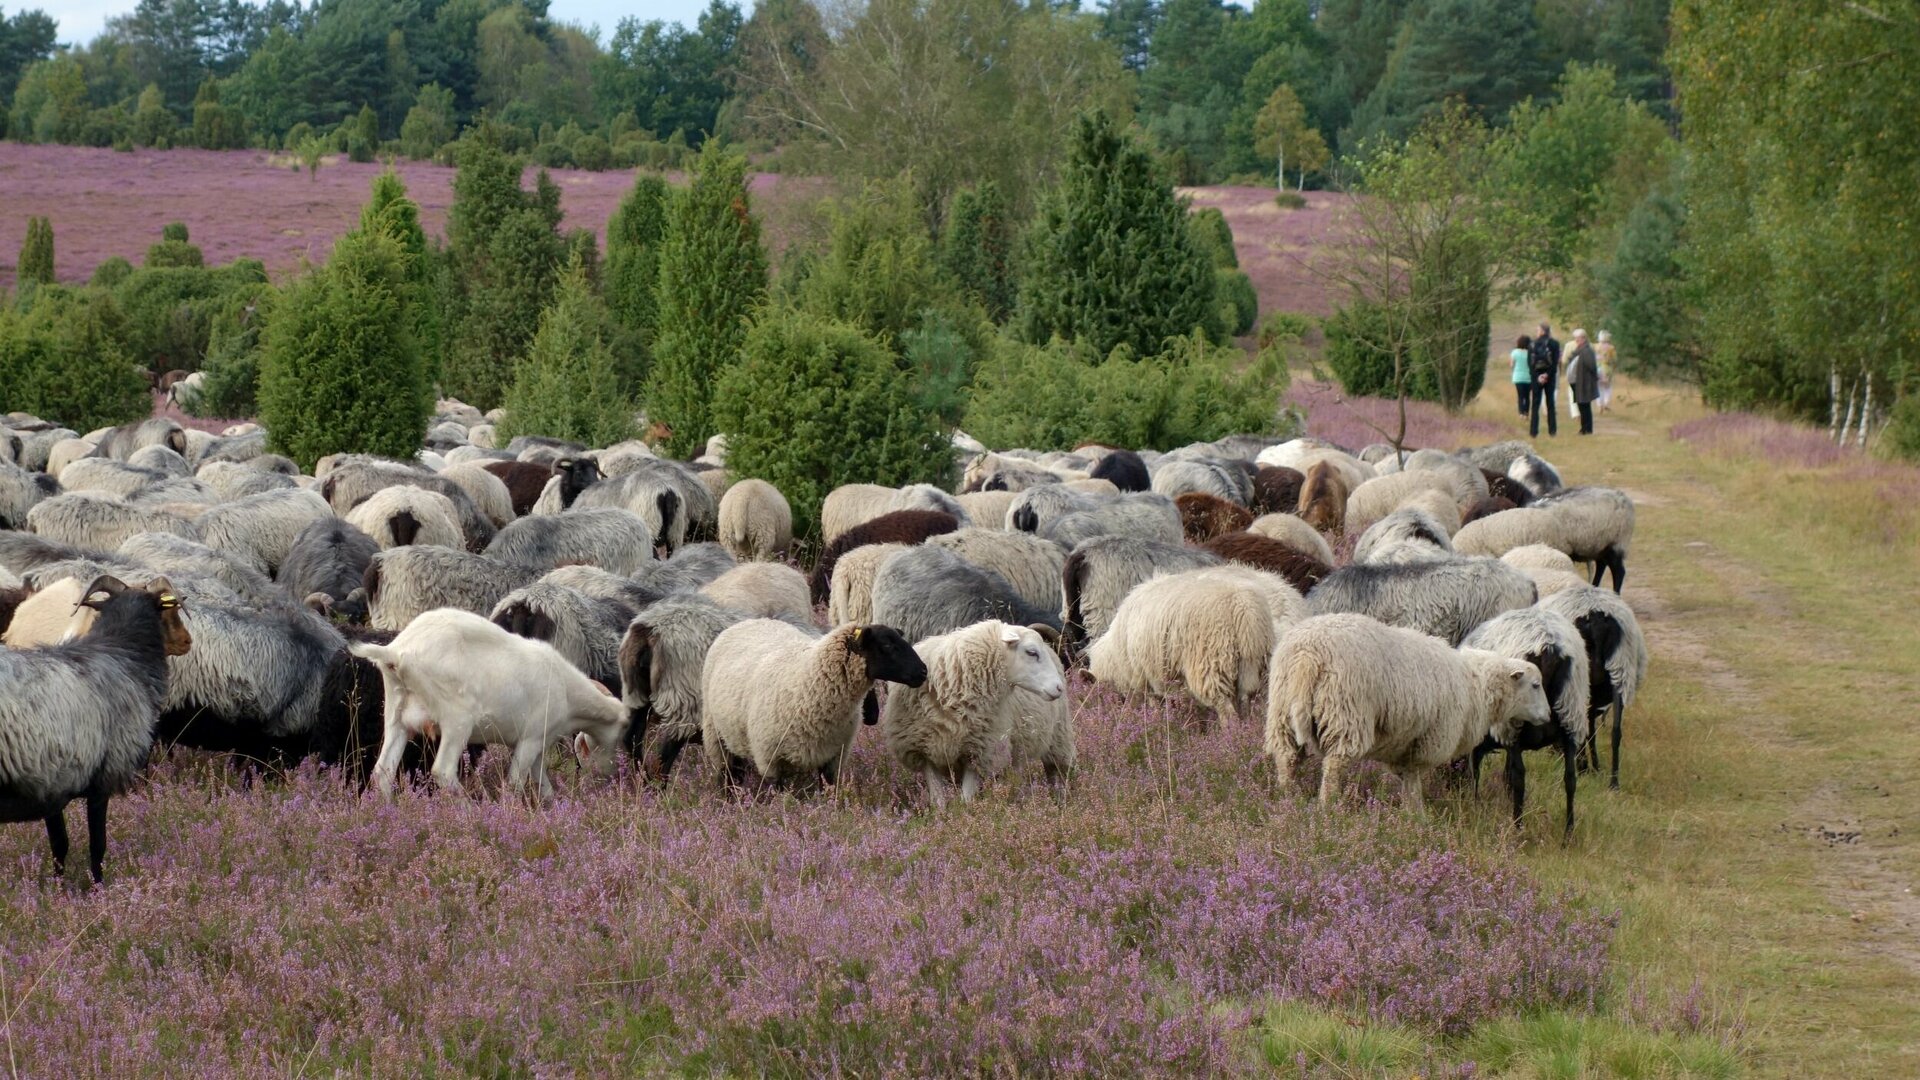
(1517, 781)
(97, 834)
(1613, 783)
(1479, 754)
(1599, 568)
(1619, 565)
(660, 763)
(57, 839)
(830, 773)
(1567, 752)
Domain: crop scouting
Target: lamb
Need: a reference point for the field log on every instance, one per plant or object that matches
(1553, 646)
(455, 673)
(405, 582)
(488, 492)
(895, 527)
(755, 521)
(261, 529)
(92, 521)
(401, 515)
(764, 590)
(1099, 574)
(77, 719)
(786, 703)
(1616, 658)
(924, 591)
(585, 630)
(1323, 498)
(19, 491)
(1206, 628)
(955, 726)
(850, 598)
(1406, 535)
(1292, 530)
(1446, 599)
(329, 558)
(662, 656)
(1146, 516)
(1276, 489)
(120, 443)
(1345, 687)
(1204, 517)
(1031, 565)
(609, 537)
(1590, 524)
(1123, 469)
(987, 509)
(1303, 572)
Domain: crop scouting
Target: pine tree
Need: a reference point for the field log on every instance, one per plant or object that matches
(566, 387)
(153, 122)
(631, 278)
(36, 253)
(341, 370)
(391, 212)
(978, 248)
(1110, 260)
(363, 136)
(713, 273)
(506, 251)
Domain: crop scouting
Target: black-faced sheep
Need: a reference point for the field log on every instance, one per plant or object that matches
(1553, 646)
(786, 703)
(1346, 688)
(77, 719)
(1616, 658)
(1123, 469)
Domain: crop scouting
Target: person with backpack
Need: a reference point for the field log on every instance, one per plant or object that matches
(1543, 363)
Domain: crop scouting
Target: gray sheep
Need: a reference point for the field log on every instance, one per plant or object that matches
(1031, 565)
(103, 524)
(924, 591)
(329, 558)
(662, 656)
(1552, 645)
(1101, 572)
(19, 491)
(1142, 516)
(611, 538)
(405, 582)
(262, 528)
(1445, 599)
(584, 629)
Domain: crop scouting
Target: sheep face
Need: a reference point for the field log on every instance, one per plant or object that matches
(174, 638)
(889, 655)
(1526, 703)
(1032, 664)
(577, 475)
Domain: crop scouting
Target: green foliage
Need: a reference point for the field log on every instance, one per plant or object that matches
(1648, 298)
(391, 212)
(429, 123)
(341, 371)
(567, 388)
(50, 104)
(1059, 396)
(1110, 260)
(1902, 436)
(1215, 237)
(631, 279)
(235, 343)
(940, 356)
(62, 359)
(583, 248)
(879, 272)
(1290, 200)
(1360, 353)
(363, 135)
(814, 403)
(173, 249)
(713, 274)
(1484, 54)
(1239, 304)
(168, 311)
(153, 122)
(1281, 133)
(111, 272)
(506, 251)
(36, 253)
(978, 249)
(215, 127)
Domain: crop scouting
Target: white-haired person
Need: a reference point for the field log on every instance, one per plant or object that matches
(1603, 354)
(1583, 378)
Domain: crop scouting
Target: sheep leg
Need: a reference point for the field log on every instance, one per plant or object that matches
(969, 785)
(1618, 563)
(57, 839)
(1333, 774)
(830, 772)
(1487, 746)
(1412, 790)
(660, 764)
(1599, 568)
(1286, 764)
(97, 834)
(1613, 783)
(1566, 754)
(1517, 781)
(936, 789)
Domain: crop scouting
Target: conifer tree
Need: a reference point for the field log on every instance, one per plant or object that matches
(1110, 260)
(36, 253)
(978, 248)
(630, 280)
(566, 387)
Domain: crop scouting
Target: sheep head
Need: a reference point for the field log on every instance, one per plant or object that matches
(888, 654)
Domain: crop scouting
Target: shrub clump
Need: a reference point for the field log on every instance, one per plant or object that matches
(62, 359)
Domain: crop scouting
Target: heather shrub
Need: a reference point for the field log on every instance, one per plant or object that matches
(1290, 200)
(63, 358)
(713, 274)
(814, 403)
(1059, 396)
(36, 254)
(341, 370)
(567, 387)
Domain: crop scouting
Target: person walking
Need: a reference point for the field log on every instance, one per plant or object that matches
(1604, 355)
(1522, 371)
(1543, 363)
(1583, 379)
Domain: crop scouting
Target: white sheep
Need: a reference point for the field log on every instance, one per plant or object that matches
(1293, 531)
(401, 515)
(959, 724)
(755, 520)
(1550, 568)
(787, 703)
(1212, 629)
(987, 509)
(1590, 524)
(764, 590)
(489, 492)
(850, 593)
(1346, 688)
(456, 674)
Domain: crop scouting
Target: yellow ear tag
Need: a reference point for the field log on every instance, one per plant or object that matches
(168, 600)
(858, 632)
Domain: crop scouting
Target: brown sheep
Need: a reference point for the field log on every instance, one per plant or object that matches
(898, 527)
(1303, 572)
(1502, 486)
(1203, 516)
(525, 481)
(1276, 489)
(1488, 507)
(1323, 498)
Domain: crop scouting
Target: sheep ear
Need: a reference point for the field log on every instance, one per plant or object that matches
(858, 637)
(1009, 635)
(1518, 674)
(582, 747)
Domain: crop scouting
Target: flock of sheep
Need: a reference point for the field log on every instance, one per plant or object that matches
(160, 584)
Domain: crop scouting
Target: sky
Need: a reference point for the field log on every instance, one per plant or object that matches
(80, 20)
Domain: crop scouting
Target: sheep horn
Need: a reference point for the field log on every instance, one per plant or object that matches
(105, 583)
